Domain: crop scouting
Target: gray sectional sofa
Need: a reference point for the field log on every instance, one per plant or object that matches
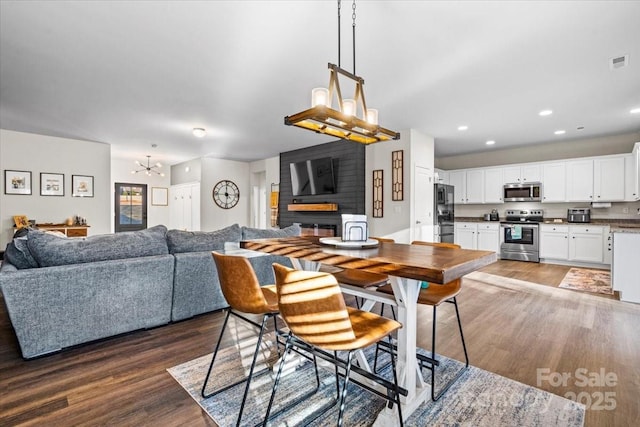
(61, 292)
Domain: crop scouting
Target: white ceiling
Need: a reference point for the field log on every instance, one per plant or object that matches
(138, 73)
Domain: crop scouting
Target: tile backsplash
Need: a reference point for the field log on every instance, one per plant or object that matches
(553, 210)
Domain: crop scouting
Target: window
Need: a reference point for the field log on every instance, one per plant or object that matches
(131, 207)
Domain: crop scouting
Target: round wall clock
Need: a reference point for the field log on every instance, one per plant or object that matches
(226, 194)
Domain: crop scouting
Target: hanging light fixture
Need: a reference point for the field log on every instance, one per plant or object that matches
(352, 120)
(149, 168)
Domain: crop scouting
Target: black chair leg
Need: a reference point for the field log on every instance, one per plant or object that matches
(343, 397)
(213, 359)
(436, 396)
(287, 347)
(395, 383)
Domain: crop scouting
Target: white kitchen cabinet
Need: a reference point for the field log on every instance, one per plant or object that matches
(488, 237)
(608, 179)
(493, 184)
(586, 243)
(469, 185)
(580, 180)
(475, 186)
(630, 183)
(442, 176)
(465, 235)
(482, 236)
(522, 173)
(554, 182)
(633, 174)
(458, 179)
(554, 241)
(607, 248)
(624, 268)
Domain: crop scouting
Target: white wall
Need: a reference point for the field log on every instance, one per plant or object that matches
(397, 215)
(39, 153)
(121, 172)
(214, 170)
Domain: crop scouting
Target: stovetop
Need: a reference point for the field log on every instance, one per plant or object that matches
(520, 216)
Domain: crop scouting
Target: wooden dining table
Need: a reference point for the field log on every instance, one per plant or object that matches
(407, 267)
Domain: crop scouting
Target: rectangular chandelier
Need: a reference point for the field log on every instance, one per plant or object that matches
(345, 122)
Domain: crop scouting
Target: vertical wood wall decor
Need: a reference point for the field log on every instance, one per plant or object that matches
(397, 192)
(377, 194)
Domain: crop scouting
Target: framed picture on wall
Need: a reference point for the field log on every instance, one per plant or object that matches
(17, 182)
(159, 196)
(81, 186)
(51, 184)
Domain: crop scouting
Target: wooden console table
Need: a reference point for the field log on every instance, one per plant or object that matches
(67, 230)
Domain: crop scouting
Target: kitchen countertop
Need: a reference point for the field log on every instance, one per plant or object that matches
(618, 225)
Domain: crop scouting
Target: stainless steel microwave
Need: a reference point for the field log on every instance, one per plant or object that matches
(522, 192)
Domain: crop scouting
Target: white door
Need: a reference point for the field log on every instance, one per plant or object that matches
(422, 228)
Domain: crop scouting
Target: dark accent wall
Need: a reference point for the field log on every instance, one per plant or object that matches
(349, 168)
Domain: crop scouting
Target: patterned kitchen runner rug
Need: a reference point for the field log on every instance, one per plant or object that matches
(478, 398)
(588, 280)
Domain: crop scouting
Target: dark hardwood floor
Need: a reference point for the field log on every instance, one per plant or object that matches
(123, 380)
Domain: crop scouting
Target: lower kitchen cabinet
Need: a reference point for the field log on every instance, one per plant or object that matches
(583, 243)
(554, 241)
(481, 236)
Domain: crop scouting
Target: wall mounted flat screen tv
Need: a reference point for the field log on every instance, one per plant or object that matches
(312, 177)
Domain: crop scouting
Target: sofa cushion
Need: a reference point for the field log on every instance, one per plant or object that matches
(197, 241)
(18, 254)
(261, 233)
(50, 250)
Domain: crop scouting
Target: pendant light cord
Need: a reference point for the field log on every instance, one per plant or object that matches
(353, 17)
(339, 4)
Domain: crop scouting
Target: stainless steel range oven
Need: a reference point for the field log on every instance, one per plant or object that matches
(519, 236)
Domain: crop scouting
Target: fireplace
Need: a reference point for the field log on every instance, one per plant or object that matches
(321, 230)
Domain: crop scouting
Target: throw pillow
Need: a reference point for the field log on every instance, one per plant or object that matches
(198, 241)
(50, 250)
(18, 254)
(260, 233)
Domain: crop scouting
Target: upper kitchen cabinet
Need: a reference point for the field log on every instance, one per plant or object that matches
(580, 181)
(469, 185)
(493, 184)
(521, 174)
(608, 179)
(554, 182)
(630, 177)
(596, 180)
(441, 176)
(636, 167)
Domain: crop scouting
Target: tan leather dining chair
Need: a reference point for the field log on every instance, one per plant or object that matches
(319, 321)
(244, 294)
(433, 296)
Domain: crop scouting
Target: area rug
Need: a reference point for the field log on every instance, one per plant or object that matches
(478, 398)
(588, 280)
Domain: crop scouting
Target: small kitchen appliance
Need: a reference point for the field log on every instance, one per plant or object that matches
(579, 215)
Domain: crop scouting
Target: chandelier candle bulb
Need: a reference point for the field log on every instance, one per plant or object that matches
(372, 116)
(349, 107)
(320, 96)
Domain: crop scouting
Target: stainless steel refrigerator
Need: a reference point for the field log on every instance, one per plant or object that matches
(443, 210)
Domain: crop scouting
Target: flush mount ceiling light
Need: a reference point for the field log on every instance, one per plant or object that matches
(149, 168)
(545, 113)
(352, 120)
(199, 132)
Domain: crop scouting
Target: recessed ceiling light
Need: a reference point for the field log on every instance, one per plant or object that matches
(463, 127)
(560, 132)
(490, 142)
(635, 111)
(545, 113)
(199, 132)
